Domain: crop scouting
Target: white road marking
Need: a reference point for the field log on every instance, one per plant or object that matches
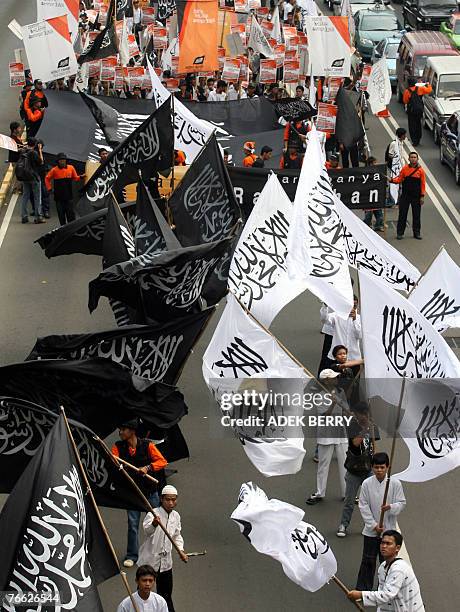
(7, 218)
(433, 197)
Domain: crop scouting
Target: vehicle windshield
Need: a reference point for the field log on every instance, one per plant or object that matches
(449, 86)
(438, 3)
(379, 23)
(420, 61)
(391, 52)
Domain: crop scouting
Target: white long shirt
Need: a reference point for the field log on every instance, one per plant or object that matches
(370, 503)
(398, 589)
(346, 332)
(217, 97)
(155, 603)
(327, 327)
(156, 550)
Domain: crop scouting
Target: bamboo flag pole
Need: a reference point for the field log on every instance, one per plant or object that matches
(96, 509)
(341, 586)
(392, 452)
(181, 553)
(136, 469)
(173, 180)
(426, 270)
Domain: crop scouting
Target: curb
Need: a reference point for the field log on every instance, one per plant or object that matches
(7, 184)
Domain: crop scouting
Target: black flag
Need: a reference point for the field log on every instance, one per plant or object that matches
(96, 392)
(52, 540)
(24, 427)
(172, 444)
(165, 9)
(152, 233)
(123, 8)
(151, 352)
(147, 149)
(84, 235)
(107, 118)
(104, 45)
(205, 209)
(171, 282)
(294, 109)
(348, 126)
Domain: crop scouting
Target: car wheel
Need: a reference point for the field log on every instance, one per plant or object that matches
(457, 171)
(400, 95)
(435, 133)
(425, 122)
(441, 156)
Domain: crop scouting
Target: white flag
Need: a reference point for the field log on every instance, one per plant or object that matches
(366, 250)
(316, 248)
(437, 294)
(124, 45)
(430, 428)
(240, 350)
(258, 41)
(399, 341)
(276, 33)
(328, 46)
(190, 133)
(258, 274)
(49, 49)
(275, 528)
(379, 86)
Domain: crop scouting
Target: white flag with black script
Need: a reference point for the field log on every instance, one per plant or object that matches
(243, 356)
(437, 295)
(258, 41)
(430, 428)
(258, 273)
(316, 247)
(275, 528)
(366, 250)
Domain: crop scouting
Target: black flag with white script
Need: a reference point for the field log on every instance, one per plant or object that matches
(24, 427)
(106, 116)
(96, 392)
(171, 282)
(151, 352)
(205, 209)
(51, 536)
(84, 235)
(104, 45)
(147, 149)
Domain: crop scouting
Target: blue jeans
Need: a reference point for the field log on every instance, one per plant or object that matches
(31, 189)
(378, 213)
(134, 517)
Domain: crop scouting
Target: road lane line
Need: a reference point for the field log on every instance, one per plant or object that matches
(433, 197)
(7, 217)
(431, 176)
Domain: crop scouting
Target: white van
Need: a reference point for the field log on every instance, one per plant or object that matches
(443, 73)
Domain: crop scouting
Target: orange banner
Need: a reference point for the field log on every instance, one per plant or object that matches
(198, 36)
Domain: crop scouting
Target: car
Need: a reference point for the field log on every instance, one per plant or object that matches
(359, 5)
(388, 48)
(372, 26)
(451, 29)
(427, 14)
(449, 150)
(443, 74)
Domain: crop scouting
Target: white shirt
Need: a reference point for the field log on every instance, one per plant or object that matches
(288, 8)
(396, 148)
(156, 550)
(398, 589)
(155, 603)
(370, 503)
(346, 332)
(137, 16)
(217, 97)
(232, 93)
(333, 434)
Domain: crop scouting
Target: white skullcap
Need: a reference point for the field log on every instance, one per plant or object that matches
(169, 490)
(328, 373)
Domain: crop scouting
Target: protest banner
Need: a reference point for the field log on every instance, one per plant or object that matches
(197, 35)
(160, 38)
(231, 71)
(280, 51)
(267, 71)
(325, 120)
(8, 143)
(108, 65)
(49, 49)
(17, 76)
(291, 71)
(329, 45)
(365, 76)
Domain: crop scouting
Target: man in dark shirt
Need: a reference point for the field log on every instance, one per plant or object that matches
(33, 151)
(63, 174)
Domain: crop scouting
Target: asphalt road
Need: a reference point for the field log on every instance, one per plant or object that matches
(40, 296)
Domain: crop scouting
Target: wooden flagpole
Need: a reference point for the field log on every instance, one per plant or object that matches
(341, 586)
(181, 554)
(425, 270)
(96, 509)
(392, 452)
(172, 182)
(136, 469)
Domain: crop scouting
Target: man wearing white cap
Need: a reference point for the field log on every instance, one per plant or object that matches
(157, 548)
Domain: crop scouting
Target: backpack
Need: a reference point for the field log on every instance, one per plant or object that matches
(23, 169)
(415, 106)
